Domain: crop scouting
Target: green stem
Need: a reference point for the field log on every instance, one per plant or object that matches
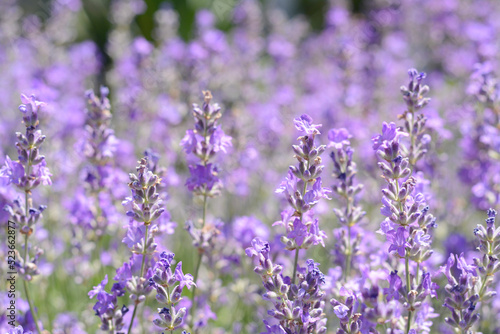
(348, 254)
(295, 265)
(133, 317)
(142, 273)
(200, 257)
(32, 308)
(301, 217)
(408, 324)
(408, 287)
(481, 291)
(25, 283)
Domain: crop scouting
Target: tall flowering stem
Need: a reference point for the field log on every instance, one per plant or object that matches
(344, 171)
(27, 173)
(303, 190)
(481, 142)
(297, 308)
(146, 207)
(99, 147)
(204, 142)
(408, 222)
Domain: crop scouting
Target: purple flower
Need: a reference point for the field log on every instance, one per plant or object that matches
(339, 137)
(189, 142)
(18, 330)
(98, 289)
(245, 229)
(464, 266)
(273, 329)
(390, 132)
(399, 240)
(12, 172)
(429, 287)
(316, 193)
(31, 106)
(135, 235)
(341, 311)
(422, 239)
(305, 124)
(184, 280)
(220, 141)
(44, 174)
(204, 179)
(395, 283)
(259, 247)
(299, 232)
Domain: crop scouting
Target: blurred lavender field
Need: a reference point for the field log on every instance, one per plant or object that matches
(228, 167)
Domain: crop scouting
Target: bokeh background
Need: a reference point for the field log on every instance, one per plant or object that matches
(265, 62)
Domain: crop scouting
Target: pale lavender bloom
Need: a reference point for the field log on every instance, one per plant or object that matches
(399, 240)
(390, 132)
(305, 124)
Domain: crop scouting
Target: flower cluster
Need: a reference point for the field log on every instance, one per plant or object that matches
(264, 68)
(345, 310)
(144, 208)
(473, 285)
(169, 288)
(298, 308)
(344, 172)
(407, 224)
(303, 189)
(106, 307)
(474, 282)
(30, 170)
(100, 144)
(204, 142)
(27, 173)
(481, 142)
(18, 330)
(414, 97)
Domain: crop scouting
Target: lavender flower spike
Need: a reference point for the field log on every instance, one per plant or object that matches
(303, 189)
(144, 208)
(344, 171)
(27, 173)
(407, 221)
(414, 96)
(203, 142)
(169, 288)
(297, 308)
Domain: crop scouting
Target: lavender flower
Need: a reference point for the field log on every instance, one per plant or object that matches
(303, 189)
(345, 310)
(144, 208)
(481, 142)
(168, 293)
(204, 142)
(297, 308)
(489, 246)
(407, 220)
(106, 307)
(27, 173)
(18, 330)
(414, 96)
(344, 171)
